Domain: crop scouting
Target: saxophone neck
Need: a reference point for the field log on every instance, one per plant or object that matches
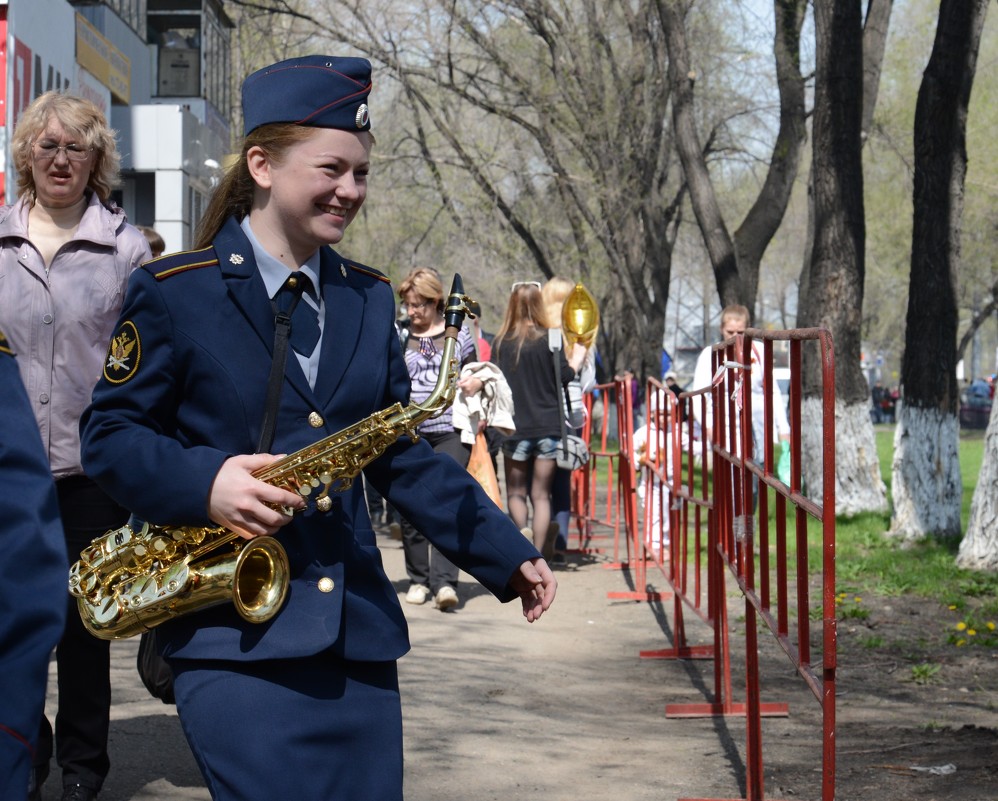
(458, 306)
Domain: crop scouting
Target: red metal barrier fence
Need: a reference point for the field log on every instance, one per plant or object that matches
(711, 496)
(599, 491)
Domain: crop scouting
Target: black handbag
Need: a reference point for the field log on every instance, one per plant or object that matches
(154, 671)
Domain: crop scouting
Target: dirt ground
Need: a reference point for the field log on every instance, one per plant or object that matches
(565, 709)
(917, 716)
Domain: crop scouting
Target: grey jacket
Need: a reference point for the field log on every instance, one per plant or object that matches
(59, 321)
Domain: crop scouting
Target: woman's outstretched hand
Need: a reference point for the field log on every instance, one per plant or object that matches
(536, 586)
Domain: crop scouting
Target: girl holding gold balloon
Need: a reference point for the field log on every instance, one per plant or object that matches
(522, 353)
(555, 293)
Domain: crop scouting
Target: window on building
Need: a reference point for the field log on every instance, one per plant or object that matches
(192, 37)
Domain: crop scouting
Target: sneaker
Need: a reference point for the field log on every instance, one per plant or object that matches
(417, 594)
(77, 792)
(395, 532)
(446, 598)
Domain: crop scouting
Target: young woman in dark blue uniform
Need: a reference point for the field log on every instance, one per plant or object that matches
(32, 578)
(305, 706)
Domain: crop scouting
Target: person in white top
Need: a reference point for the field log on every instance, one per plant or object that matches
(734, 321)
(652, 446)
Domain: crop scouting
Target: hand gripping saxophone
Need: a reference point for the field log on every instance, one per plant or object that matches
(130, 580)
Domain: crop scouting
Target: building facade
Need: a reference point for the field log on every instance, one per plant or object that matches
(159, 69)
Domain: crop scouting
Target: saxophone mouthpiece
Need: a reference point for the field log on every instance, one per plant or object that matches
(459, 304)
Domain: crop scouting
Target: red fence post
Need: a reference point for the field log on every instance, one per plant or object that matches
(736, 474)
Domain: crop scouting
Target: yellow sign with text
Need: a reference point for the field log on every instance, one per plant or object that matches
(103, 60)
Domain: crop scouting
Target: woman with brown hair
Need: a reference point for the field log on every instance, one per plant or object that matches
(431, 574)
(305, 705)
(521, 351)
(66, 253)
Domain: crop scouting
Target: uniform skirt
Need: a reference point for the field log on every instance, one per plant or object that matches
(314, 729)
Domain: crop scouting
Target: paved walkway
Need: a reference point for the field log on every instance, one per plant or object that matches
(496, 708)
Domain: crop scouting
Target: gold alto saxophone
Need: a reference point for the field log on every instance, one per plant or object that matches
(130, 580)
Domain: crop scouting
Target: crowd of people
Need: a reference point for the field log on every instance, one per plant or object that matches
(260, 341)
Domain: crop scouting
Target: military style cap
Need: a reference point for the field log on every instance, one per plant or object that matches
(321, 91)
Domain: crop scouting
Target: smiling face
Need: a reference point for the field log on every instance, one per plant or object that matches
(308, 197)
(59, 180)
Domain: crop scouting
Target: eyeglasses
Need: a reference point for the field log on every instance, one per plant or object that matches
(524, 283)
(49, 150)
(416, 306)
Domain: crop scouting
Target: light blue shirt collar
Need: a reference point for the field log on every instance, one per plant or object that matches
(274, 274)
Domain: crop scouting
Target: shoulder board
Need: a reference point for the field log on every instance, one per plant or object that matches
(175, 263)
(5, 345)
(360, 268)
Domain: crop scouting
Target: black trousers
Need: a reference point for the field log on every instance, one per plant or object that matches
(83, 661)
(433, 570)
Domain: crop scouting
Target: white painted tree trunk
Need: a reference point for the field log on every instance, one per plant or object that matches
(925, 475)
(979, 549)
(858, 486)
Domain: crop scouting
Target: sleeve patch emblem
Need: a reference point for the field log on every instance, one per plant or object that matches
(123, 354)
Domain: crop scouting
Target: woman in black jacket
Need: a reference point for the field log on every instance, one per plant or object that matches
(522, 353)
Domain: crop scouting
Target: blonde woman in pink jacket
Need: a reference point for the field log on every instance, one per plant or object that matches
(66, 252)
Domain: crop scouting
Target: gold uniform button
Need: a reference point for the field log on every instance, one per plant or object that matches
(315, 420)
(326, 584)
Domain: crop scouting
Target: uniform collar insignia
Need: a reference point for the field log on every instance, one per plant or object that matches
(235, 258)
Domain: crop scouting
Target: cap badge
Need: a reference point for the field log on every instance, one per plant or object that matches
(363, 115)
(235, 258)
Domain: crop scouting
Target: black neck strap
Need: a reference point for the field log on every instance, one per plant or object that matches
(282, 330)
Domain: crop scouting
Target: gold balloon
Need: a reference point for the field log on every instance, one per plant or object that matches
(580, 317)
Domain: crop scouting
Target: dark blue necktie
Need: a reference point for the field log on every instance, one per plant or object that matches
(304, 318)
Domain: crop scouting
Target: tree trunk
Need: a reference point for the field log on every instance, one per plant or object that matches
(925, 483)
(713, 229)
(763, 219)
(736, 261)
(878, 17)
(926, 477)
(834, 298)
(979, 549)
(858, 485)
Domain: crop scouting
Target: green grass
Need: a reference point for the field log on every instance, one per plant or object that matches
(867, 560)
(865, 557)
(925, 673)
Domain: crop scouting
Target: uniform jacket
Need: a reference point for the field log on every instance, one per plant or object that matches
(59, 323)
(184, 388)
(32, 578)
